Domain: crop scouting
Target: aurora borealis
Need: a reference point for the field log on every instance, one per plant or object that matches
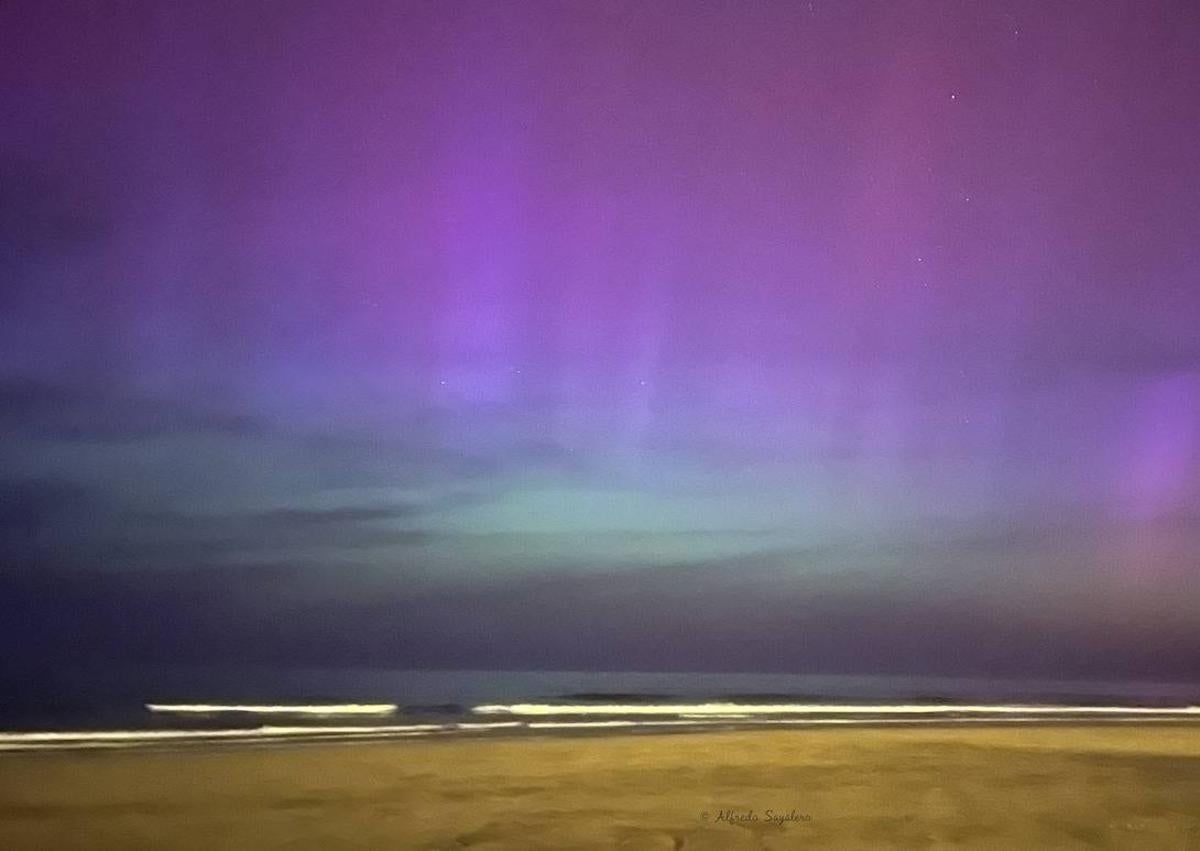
(829, 337)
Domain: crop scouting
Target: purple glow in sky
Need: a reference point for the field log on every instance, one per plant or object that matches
(659, 335)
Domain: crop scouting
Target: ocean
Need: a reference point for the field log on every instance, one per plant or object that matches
(177, 706)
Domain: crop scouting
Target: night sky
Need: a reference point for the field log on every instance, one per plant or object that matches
(821, 337)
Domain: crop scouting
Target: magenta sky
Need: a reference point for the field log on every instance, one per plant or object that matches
(837, 336)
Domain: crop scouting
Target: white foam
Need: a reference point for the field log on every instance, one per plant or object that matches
(750, 709)
(815, 722)
(872, 722)
(143, 737)
(552, 725)
(265, 730)
(324, 710)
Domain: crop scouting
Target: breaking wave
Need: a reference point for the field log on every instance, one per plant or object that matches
(322, 710)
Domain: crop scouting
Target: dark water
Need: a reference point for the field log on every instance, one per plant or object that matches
(116, 698)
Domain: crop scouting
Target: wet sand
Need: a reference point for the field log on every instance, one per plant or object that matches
(1053, 786)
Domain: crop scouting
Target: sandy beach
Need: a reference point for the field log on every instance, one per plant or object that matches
(1117, 786)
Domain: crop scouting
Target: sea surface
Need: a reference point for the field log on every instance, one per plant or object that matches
(176, 706)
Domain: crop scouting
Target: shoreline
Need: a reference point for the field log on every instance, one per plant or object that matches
(13, 742)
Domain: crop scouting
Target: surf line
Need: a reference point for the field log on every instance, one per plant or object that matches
(250, 709)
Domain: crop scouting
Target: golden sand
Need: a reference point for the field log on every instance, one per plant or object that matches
(1117, 786)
